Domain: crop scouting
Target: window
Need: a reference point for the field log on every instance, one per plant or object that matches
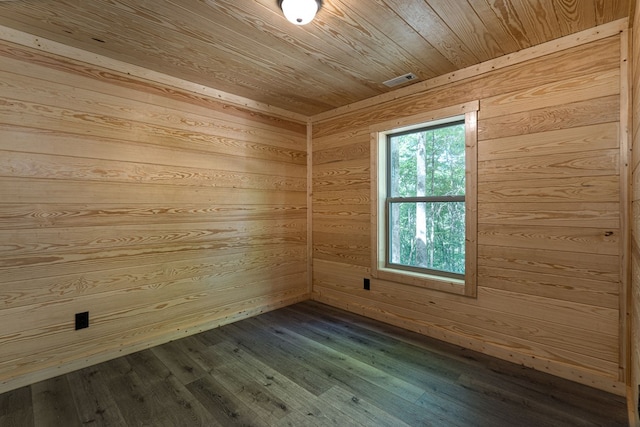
(424, 200)
(424, 212)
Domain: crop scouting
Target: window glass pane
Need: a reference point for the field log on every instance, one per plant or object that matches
(427, 162)
(428, 235)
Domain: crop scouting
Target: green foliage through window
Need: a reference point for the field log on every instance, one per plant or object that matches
(425, 199)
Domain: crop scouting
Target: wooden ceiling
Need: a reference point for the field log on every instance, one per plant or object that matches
(247, 48)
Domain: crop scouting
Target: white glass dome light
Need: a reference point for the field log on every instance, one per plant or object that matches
(300, 12)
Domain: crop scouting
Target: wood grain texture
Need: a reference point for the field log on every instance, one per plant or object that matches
(309, 365)
(569, 63)
(106, 177)
(549, 201)
(555, 93)
(570, 239)
(634, 293)
(551, 215)
(162, 213)
(342, 57)
(551, 143)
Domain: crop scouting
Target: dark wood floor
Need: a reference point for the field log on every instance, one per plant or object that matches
(308, 365)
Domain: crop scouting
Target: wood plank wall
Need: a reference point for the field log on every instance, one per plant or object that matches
(160, 211)
(634, 391)
(550, 257)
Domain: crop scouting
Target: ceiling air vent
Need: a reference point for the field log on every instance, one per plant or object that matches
(397, 81)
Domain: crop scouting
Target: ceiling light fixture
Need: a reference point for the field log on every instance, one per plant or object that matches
(300, 12)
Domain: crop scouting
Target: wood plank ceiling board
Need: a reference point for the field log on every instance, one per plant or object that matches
(248, 49)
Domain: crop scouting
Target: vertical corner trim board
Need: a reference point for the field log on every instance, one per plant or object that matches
(158, 208)
(634, 294)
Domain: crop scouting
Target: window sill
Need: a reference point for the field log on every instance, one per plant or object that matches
(427, 281)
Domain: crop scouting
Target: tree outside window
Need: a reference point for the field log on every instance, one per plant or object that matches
(425, 203)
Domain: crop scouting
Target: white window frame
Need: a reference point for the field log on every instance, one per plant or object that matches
(379, 132)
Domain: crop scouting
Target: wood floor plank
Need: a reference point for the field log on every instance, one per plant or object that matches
(269, 406)
(16, 408)
(290, 363)
(419, 366)
(164, 388)
(196, 349)
(135, 399)
(181, 407)
(309, 365)
(413, 414)
(51, 404)
(93, 399)
(223, 405)
(313, 418)
(179, 362)
(541, 391)
(316, 413)
(410, 367)
(363, 412)
(446, 393)
(293, 396)
(371, 373)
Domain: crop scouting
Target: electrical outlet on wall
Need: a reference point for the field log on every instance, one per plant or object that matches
(82, 320)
